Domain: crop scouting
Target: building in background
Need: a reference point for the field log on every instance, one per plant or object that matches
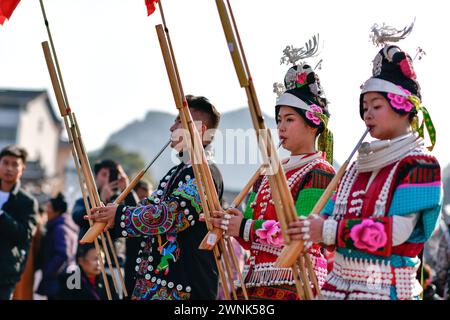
(28, 119)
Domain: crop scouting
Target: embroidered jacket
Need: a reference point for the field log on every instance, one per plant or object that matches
(169, 265)
(307, 183)
(370, 262)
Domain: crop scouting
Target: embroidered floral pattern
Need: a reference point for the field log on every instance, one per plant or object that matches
(368, 235)
(400, 102)
(311, 116)
(270, 233)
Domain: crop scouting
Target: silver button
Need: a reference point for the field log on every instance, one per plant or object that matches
(147, 276)
(179, 287)
(188, 177)
(190, 217)
(157, 200)
(122, 224)
(170, 285)
(183, 203)
(186, 211)
(167, 177)
(159, 192)
(150, 258)
(138, 260)
(188, 289)
(136, 268)
(122, 217)
(180, 183)
(124, 233)
(153, 279)
(158, 281)
(163, 184)
(192, 222)
(163, 283)
(143, 244)
(150, 268)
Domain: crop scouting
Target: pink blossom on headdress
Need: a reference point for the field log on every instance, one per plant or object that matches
(311, 116)
(407, 69)
(270, 233)
(301, 78)
(400, 102)
(368, 235)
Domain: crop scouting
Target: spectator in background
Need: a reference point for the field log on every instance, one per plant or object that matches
(143, 189)
(429, 289)
(111, 180)
(18, 218)
(443, 260)
(59, 246)
(88, 283)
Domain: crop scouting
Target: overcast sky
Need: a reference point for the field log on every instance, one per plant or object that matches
(114, 72)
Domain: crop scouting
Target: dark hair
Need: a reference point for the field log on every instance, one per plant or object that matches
(142, 184)
(411, 114)
(107, 163)
(59, 203)
(202, 104)
(309, 98)
(14, 151)
(84, 249)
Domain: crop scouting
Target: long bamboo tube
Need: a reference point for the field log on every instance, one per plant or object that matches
(283, 201)
(205, 183)
(63, 110)
(63, 103)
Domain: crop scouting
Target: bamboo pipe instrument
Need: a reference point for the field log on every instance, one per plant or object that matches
(80, 158)
(207, 191)
(290, 253)
(283, 201)
(63, 110)
(98, 227)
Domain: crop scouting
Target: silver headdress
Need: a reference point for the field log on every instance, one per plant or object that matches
(384, 34)
(295, 56)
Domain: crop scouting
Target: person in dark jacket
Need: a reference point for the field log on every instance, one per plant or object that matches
(59, 246)
(18, 218)
(84, 281)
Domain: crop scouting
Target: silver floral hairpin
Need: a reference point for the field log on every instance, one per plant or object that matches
(293, 55)
(380, 35)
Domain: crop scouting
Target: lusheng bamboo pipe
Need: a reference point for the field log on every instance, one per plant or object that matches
(205, 183)
(63, 110)
(98, 227)
(290, 253)
(283, 202)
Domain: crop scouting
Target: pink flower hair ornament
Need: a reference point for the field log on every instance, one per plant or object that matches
(270, 233)
(368, 235)
(301, 79)
(311, 114)
(400, 102)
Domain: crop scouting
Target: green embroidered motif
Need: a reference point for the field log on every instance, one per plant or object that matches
(257, 224)
(189, 191)
(248, 213)
(306, 201)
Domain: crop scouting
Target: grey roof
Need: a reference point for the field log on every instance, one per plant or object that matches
(21, 98)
